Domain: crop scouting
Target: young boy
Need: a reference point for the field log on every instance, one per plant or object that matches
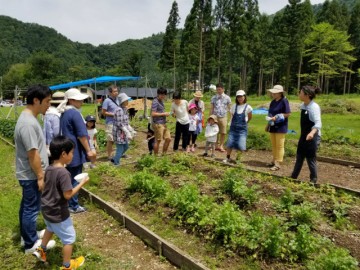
(211, 132)
(54, 202)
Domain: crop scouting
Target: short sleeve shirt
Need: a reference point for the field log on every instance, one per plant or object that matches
(159, 107)
(181, 112)
(73, 126)
(110, 105)
(277, 107)
(221, 104)
(28, 135)
(54, 206)
(240, 109)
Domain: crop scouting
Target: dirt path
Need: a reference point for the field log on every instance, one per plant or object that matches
(106, 236)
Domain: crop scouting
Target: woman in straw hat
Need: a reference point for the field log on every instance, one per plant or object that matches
(200, 105)
(277, 126)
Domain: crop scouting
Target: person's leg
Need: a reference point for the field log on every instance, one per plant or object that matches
(242, 140)
(118, 154)
(29, 211)
(212, 149)
(156, 146)
(313, 169)
(109, 140)
(185, 136)
(280, 150)
(207, 144)
(177, 136)
(158, 133)
(74, 200)
(273, 146)
(167, 137)
(298, 166)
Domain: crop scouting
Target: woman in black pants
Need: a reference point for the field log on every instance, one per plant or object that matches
(309, 141)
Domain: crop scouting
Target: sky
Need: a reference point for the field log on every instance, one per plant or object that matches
(107, 21)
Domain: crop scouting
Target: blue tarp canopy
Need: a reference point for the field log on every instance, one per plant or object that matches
(102, 79)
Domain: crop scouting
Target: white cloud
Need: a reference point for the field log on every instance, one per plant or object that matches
(107, 21)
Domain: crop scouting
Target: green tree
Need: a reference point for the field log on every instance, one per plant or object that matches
(221, 21)
(18, 74)
(44, 67)
(170, 47)
(354, 32)
(335, 13)
(133, 63)
(329, 51)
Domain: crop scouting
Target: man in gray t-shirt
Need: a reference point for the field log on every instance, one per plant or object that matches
(31, 162)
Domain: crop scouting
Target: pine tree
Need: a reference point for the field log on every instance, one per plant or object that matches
(170, 48)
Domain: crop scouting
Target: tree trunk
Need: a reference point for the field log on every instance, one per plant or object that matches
(260, 80)
(174, 78)
(219, 57)
(344, 89)
(230, 75)
(349, 81)
(272, 76)
(299, 73)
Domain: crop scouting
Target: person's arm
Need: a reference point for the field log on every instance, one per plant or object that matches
(249, 116)
(212, 109)
(316, 118)
(70, 193)
(85, 143)
(104, 109)
(35, 164)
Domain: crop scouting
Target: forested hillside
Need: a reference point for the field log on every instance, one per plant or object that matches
(227, 41)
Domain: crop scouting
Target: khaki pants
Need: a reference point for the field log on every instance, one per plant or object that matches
(277, 143)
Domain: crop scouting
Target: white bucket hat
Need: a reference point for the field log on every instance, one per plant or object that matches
(74, 93)
(240, 93)
(276, 89)
(122, 97)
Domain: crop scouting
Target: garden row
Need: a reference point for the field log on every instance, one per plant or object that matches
(228, 210)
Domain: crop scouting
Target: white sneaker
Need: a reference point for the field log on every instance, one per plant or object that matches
(31, 250)
(40, 235)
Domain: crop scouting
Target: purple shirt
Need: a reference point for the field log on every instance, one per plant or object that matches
(159, 107)
(110, 106)
(276, 107)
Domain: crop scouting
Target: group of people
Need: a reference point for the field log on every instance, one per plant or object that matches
(190, 121)
(68, 141)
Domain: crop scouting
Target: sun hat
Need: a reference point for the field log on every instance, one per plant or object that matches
(276, 89)
(74, 93)
(198, 93)
(192, 106)
(122, 97)
(240, 93)
(57, 97)
(213, 117)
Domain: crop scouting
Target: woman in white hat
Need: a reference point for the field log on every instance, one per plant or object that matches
(277, 126)
(122, 131)
(241, 114)
(52, 118)
(73, 126)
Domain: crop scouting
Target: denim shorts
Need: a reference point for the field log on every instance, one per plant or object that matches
(64, 230)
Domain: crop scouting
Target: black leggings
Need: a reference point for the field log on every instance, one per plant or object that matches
(192, 137)
(181, 131)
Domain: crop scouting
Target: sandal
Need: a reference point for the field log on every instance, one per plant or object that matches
(274, 168)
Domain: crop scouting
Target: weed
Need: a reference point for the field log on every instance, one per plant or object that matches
(304, 243)
(101, 138)
(258, 141)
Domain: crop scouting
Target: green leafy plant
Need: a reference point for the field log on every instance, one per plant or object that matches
(151, 186)
(334, 259)
(7, 128)
(304, 213)
(275, 243)
(340, 215)
(304, 243)
(101, 138)
(146, 161)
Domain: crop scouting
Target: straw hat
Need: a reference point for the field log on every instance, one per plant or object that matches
(198, 94)
(213, 117)
(57, 97)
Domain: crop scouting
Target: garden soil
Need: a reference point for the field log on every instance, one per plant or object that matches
(109, 236)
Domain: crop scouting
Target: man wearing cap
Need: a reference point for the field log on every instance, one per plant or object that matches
(73, 126)
(279, 112)
(220, 106)
(52, 119)
(108, 108)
